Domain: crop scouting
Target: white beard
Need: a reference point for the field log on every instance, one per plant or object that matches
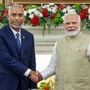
(72, 33)
(15, 26)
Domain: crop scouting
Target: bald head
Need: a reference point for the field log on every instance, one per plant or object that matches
(16, 6)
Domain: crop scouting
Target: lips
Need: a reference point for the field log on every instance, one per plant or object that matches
(71, 29)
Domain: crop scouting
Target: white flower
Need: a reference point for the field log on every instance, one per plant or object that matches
(33, 12)
(66, 9)
(38, 13)
(69, 9)
(89, 13)
(31, 16)
(89, 10)
(84, 6)
(43, 6)
(25, 13)
(51, 7)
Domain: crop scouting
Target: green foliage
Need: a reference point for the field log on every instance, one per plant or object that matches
(3, 15)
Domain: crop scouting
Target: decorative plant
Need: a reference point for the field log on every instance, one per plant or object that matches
(49, 15)
(48, 84)
(44, 16)
(3, 15)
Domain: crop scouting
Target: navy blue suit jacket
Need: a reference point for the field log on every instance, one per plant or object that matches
(13, 63)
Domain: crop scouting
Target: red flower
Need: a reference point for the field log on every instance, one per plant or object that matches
(0, 17)
(84, 13)
(5, 12)
(53, 15)
(85, 10)
(46, 87)
(25, 7)
(45, 12)
(60, 7)
(35, 20)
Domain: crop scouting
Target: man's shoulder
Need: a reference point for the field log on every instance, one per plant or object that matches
(26, 32)
(62, 37)
(3, 29)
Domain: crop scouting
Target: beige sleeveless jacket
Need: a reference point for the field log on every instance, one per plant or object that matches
(73, 65)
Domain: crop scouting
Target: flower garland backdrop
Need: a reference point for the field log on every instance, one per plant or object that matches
(49, 15)
(3, 15)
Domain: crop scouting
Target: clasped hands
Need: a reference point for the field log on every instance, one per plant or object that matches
(35, 76)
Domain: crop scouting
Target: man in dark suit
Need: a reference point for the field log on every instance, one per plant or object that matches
(17, 54)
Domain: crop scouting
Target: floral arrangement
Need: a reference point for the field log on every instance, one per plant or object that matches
(3, 15)
(48, 84)
(84, 12)
(49, 15)
(45, 16)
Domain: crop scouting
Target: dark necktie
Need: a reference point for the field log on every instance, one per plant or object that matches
(18, 41)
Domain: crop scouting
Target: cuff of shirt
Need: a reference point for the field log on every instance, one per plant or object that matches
(27, 72)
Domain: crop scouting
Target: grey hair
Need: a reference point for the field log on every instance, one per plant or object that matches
(14, 5)
(65, 15)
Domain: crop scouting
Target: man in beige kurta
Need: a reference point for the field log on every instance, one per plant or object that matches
(70, 59)
(73, 65)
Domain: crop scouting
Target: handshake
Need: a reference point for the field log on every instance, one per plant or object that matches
(35, 76)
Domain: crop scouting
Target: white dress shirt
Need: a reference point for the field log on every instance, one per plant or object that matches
(50, 69)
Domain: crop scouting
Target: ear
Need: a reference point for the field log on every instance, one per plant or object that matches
(64, 25)
(24, 19)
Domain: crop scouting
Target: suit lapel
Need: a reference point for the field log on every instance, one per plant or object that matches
(12, 38)
(23, 41)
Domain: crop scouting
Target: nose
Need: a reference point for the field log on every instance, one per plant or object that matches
(70, 24)
(17, 17)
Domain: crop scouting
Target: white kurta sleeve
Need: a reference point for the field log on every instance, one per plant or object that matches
(50, 69)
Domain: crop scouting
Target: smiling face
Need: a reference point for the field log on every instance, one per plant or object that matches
(72, 24)
(16, 16)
